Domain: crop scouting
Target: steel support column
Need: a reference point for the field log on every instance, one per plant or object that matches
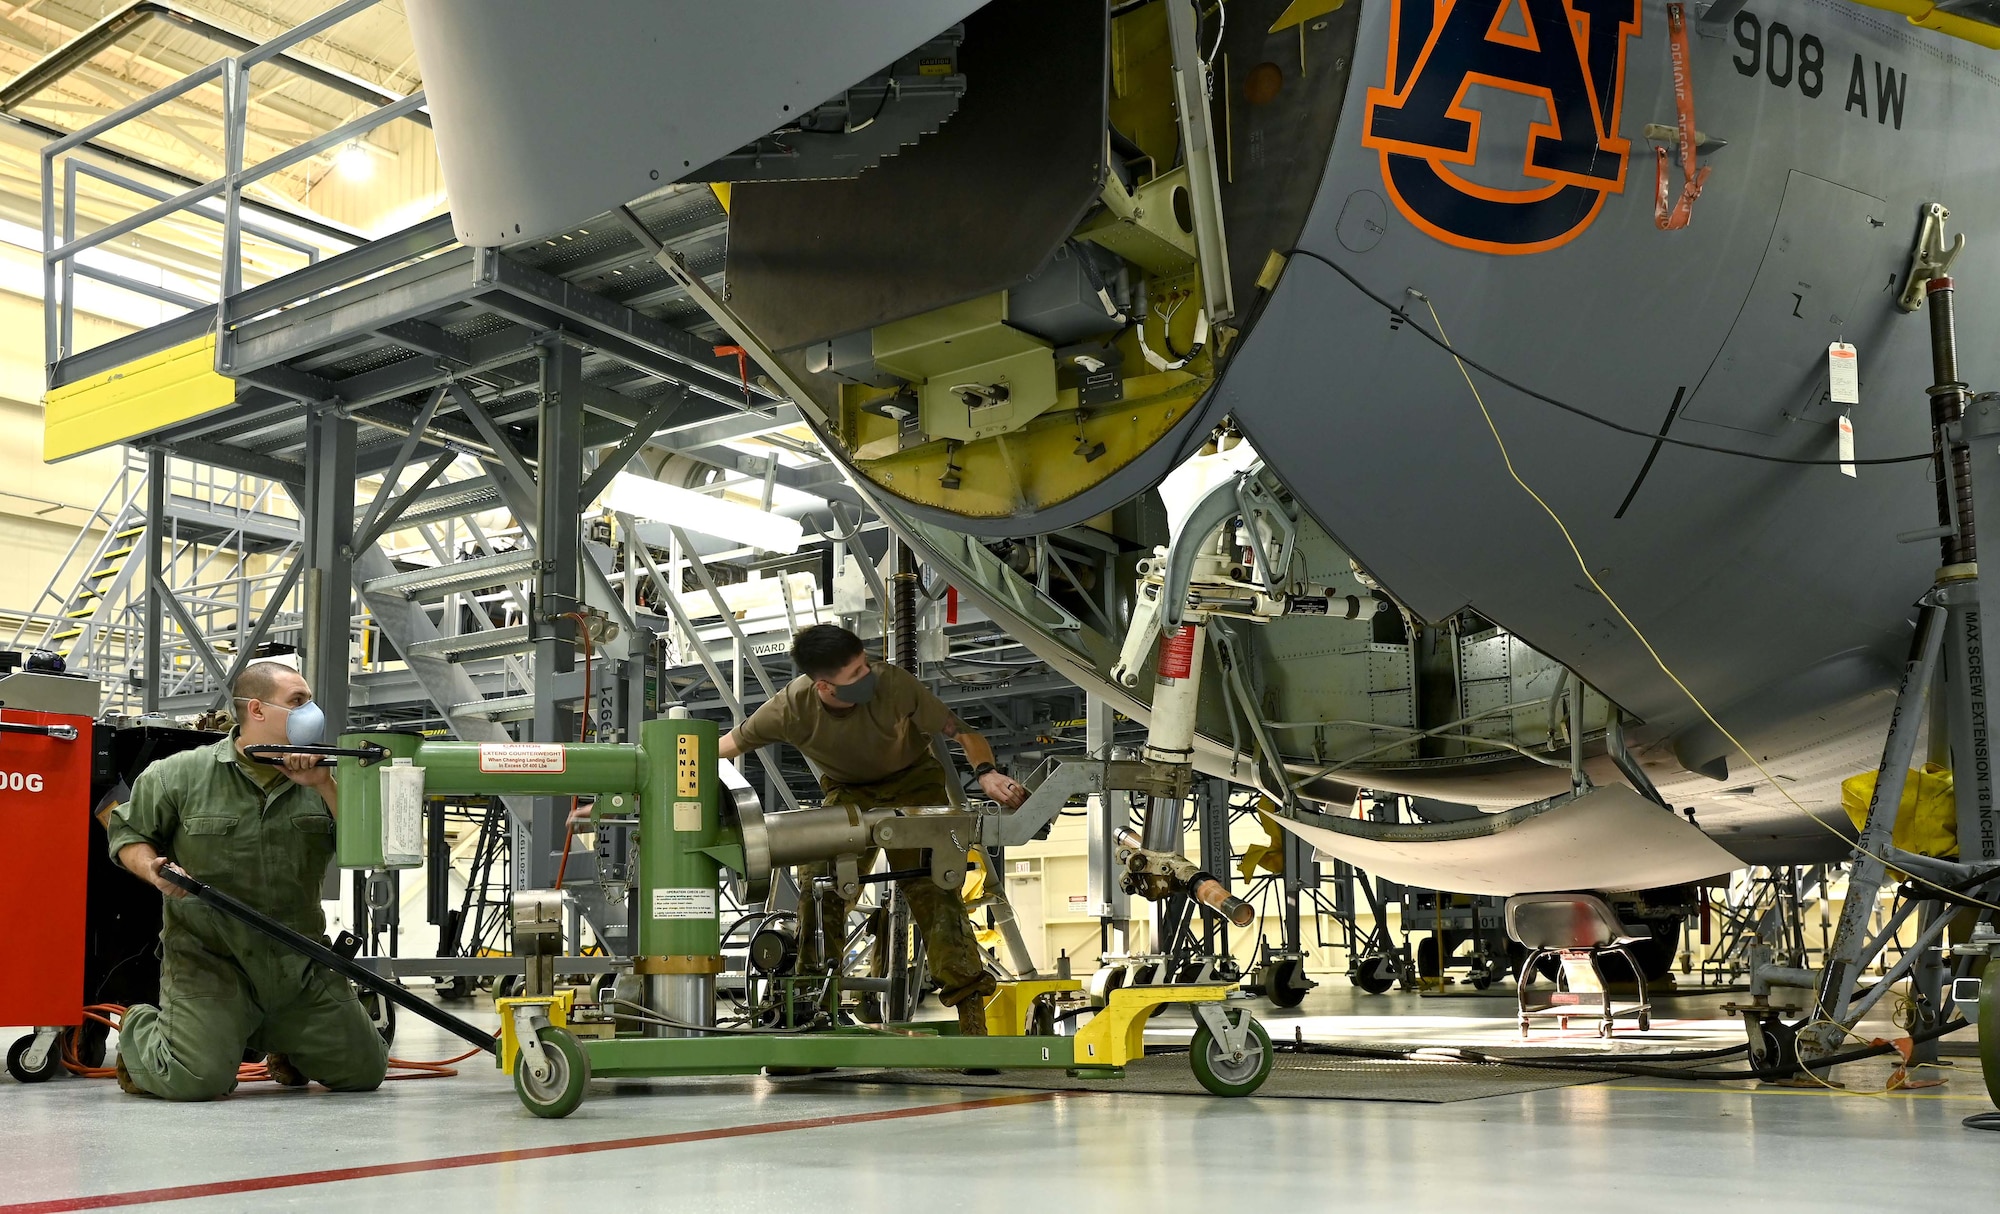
(1301, 874)
(558, 480)
(328, 515)
(558, 545)
(1104, 815)
(156, 554)
(1212, 820)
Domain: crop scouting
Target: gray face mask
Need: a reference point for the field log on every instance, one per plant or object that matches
(860, 691)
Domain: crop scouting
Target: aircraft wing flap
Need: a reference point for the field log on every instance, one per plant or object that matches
(1610, 839)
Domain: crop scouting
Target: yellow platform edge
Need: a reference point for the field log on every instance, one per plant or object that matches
(144, 395)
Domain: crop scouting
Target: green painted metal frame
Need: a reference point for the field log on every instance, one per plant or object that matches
(748, 1053)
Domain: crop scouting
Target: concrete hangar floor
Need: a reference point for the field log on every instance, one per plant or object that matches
(465, 1142)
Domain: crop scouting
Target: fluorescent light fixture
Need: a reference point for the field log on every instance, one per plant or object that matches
(711, 516)
(354, 162)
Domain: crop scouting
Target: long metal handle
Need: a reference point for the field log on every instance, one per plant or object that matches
(66, 733)
(300, 943)
(328, 756)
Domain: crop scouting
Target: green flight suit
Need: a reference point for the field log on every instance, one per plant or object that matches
(949, 942)
(252, 833)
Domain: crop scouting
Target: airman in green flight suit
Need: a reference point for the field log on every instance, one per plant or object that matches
(264, 835)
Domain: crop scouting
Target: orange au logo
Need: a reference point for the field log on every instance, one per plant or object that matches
(1569, 54)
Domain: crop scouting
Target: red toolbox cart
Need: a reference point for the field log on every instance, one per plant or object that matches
(45, 803)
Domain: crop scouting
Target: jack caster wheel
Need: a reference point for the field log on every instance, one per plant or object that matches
(1604, 1029)
(17, 1061)
(1645, 1022)
(460, 987)
(1226, 1076)
(1286, 983)
(1374, 975)
(569, 1076)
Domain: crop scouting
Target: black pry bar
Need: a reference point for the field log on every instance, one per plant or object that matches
(328, 756)
(66, 733)
(309, 947)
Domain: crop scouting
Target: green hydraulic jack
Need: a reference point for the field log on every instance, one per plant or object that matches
(689, 832)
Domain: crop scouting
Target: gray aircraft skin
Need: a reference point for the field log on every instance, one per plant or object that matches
(1777, 593)
(1501, 174)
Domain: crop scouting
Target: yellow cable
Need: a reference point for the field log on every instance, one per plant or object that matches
(1657, 659)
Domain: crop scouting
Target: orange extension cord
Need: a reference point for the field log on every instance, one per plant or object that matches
(250, 1072)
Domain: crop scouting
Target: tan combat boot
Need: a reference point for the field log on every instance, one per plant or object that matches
(283, 1073)
(125, 1081)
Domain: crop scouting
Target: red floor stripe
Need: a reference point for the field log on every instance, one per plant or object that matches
(292, 1180)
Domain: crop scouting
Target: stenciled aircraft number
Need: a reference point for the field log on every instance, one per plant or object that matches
(1785, 59)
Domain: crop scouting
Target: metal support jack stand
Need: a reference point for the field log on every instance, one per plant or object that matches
(1945, 672)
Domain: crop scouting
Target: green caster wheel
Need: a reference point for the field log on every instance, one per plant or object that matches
(569, 1076)
(1227, 1076)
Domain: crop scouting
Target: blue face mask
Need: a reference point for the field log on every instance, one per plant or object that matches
(304, 725)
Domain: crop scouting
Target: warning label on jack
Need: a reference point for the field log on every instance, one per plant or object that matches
(683, 904)
(517, 758)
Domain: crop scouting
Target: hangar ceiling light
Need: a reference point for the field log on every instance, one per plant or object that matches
(691, 511)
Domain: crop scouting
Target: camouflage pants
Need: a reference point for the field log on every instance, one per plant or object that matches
(955, 957)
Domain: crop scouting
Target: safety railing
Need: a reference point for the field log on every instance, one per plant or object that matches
(219, 200)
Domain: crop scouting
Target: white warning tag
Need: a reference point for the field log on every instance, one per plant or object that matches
(1846, 445)
(683, 904)
(518, 758)
(1843, 375)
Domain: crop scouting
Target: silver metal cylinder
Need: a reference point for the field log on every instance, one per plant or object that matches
(685, 998)
(1162, 826)
(803, 835)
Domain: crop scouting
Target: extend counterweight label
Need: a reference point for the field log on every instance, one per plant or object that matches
(520, 758)
(683, 904)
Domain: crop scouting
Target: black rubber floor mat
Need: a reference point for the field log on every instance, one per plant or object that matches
(1293, 1077)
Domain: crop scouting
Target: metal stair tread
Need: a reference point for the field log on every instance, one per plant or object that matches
(511, 639)
(449, 502)
(437, 581)
(498, 708)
